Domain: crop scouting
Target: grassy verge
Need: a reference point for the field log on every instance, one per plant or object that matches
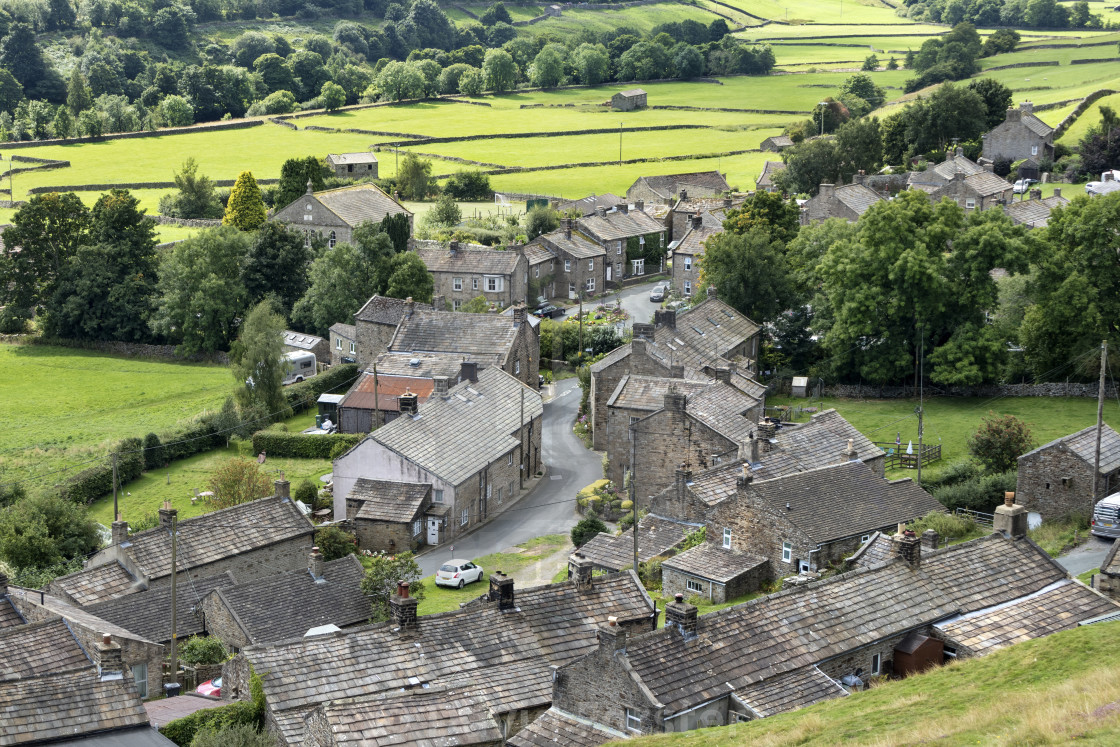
(956, 529)
(1056, 537)
(1087, 576)
(1056, 690)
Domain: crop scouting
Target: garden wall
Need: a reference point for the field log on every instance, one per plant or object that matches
(1054, 389)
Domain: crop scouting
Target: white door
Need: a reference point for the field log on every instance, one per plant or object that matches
(433, 531)
(610, 274)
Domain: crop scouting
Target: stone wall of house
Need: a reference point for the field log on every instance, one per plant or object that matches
(758, 528)
(677, 502)
(861, 659)
(604, 382)
(675, 582)
(388, 536)
(373, 340)
(287, 555)
(322, 351)
(686, 274)
(221, 623)
(1013, 140)
(309, 216)
(1056, 482)
(960, 192)
(355, 170)
(618, 441)
(667, 439)
(472, 285)
(524, 362)
(599, 688)
(577, 272)
(338, 353)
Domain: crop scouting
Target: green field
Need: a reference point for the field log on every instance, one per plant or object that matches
(64, 408)
(1091, 117)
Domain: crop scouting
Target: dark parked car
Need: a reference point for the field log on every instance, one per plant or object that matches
(548, 311)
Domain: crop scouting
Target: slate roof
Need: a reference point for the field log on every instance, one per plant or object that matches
(537, 253)
(384, 310)
(505, 656)
(954, 164)
(986, 184)
(349, 158)
(1035, 125)
(301, 340)
(710, 561)
(669, 185)
(455, 332)
(693, 240)
(467, 259)
(1060, 606)
(1083, 443)
(648, 392)
(618, 225)
(92, 585)
(218, 535)
(790, 691)
(754, 641)
(360, 202)
(430, 365)
(9, 615)
(456, 437)
(39, 649)
(875, 550)
(422, 718)
(385, 500)
(287, 605)
(148, 614)
(657, 536)
(712, 328)
(575, 246)
(72, 613)
(857, 197)
(587, 205)
(385, 396)
(345, 331)
(769, 169)
(1033, 213)
(555, 728)
(780, 141)
(721, 407)
(631, 92)
(67, 705)
(842, 500)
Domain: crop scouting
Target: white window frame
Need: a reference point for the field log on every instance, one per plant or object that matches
(639, 266)
(727, 538)
(864, 538)
(456, 304)
(1034, 150)
(437, 496)
(493, 285)
(338, 343)
(567, 265)
(474, 283)
(509, 458)
(536, 271)
(876, 664)
(970, 204)
(511, 490)
(619, 250)
(331, 240)
(628, 430)
(571, 287)
(516, 370)
(489, 491)
(591, 285)
(591, 265)
(464, 517)
(688, 262)
(633, 721)
(417, 527)
(641, 241)
(457, 284)
(499, 494)
(688, 287)
(694, 586)
(662, 240)
(140, 677)
(787, 552)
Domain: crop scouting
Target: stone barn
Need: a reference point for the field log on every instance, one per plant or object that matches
(627, 101)
(353, 165)
(1057, 479)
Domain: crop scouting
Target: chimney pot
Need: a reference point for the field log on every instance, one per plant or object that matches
(106, 639)
(907, 546)
(930, 539)
(612, 621)
(679, 598)
(166, 515)
(684, 195)
(315, 564)
(1009, 498)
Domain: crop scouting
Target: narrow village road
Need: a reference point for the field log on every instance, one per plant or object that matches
(1086, 557)
(635, 302)
(550, 508)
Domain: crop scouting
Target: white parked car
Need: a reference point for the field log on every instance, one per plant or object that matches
(459, 573)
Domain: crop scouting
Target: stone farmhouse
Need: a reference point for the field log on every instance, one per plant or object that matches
(343, 344)
(633, 241)
(477, 444)
(473, 676)
(765, 180)
(1056, 479)
(628, 101)
(813, 643)
(463, 272)
(1034, 212)
(665, 188)
(709, 341)
(663, 422)
(287, 605)
(253, 539)
(353, 165)
(980, 191)
(1020, 135)
(376, 323)
(574, 262)
(390, 516)
(333, 214)
(847, 201)
(798, 523)
(688, 251)
(542, 270)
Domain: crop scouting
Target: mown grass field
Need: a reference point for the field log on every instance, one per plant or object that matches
(1059, 690)
(65, 407)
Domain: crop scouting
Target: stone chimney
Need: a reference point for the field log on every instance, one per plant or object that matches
(1057, 191)
(440, 387)
(906, 545)
(120, 531)
(612, 636)
(850, 453)
(1036, 194)
(408, 402)
(601, 211)
(684, 195)
(166, 515)
(623, 208)
(727, 202)
(930, 538)
(409, 307)
(582, 571)
(754, 449)
(107, 655)
(675, 400)
(859, 178)
(746, 476)
(468, 371)
(697, 220)
(309, 188)
(315, 565)
(519, 315)
(402, 609)
(1010, 518)
(282, 488)
(682, 616)
(1026, 107)
(683, 478)
(665, 318)
(643, 330)
(722, 373)
(827, 191)
(767, 430)
(989, 167)
(676, 371)
(639, 205)
(568, 228)
(501, 590)
(1013, 115)
(439, 303)
(453, 248)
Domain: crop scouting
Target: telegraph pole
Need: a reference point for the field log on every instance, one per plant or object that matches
(921, 403)
(1100, 427)
(174, 573)
(633, 501)
(521, 438)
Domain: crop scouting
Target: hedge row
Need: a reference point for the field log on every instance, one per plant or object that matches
(337, 380)
(182, 731)
(90, 484)
(302, 446)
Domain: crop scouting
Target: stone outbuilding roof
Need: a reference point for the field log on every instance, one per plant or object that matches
(385, 500)
(789, 691)
(710, 561)
(301, 340)
(467, 258)
(777, 142)
(875, 550)
(455, 332)
(345, 331)
(343, 159)
(987, 184)
(418, 365)
(769, 169)
(287, 605)
(148, 613)
(9, 615)
(657, 536)
(424, 717)
(503, 656)
(670, 185)
(385, 310)
(611, 226)
(358, 203)
(632, 92)
(1083, 444)
(1034, 213)
(93, 585)
(456, 437)
(555, 727)
(38, 649)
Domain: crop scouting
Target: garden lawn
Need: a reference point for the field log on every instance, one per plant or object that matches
(442, 599)
(178, 482)
(951, 421)
(65, 408)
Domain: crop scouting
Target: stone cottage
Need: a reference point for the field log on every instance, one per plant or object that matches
(1056, 479)
(476, 444)
(633, 241)
(980, 191)
(664, 188)
(629, 100)
(333, 214)
(658, 537)
(581, 264)
(542, 271)
(848, 201)
(712, 210)
(463, 272)
(376, 323)
(765, 180)
(353, 165)
(688, 252)
(148, 613)
(389, 516)
(343, 344)
(1020, 135)
(776, 144)
(1035, 211)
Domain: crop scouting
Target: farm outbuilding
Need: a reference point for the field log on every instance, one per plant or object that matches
(800, 386)
(625, 101)
(353, 165)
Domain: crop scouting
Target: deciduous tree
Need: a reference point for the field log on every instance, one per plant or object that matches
(750, 273)
(258, 363)
(383, 572)
(237, 481)
(1000, 441)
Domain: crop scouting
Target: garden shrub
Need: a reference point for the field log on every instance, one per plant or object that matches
(202, 650)
(587, 528)
(153, 452)
(305, 394)
(977, 494)
(306, 492)
(335, 543)
(182, 731)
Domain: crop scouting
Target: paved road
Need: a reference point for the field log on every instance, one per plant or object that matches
(550, 508)
(1086, 557)
(635, 301)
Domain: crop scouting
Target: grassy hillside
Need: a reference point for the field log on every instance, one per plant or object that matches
(1057, 690)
